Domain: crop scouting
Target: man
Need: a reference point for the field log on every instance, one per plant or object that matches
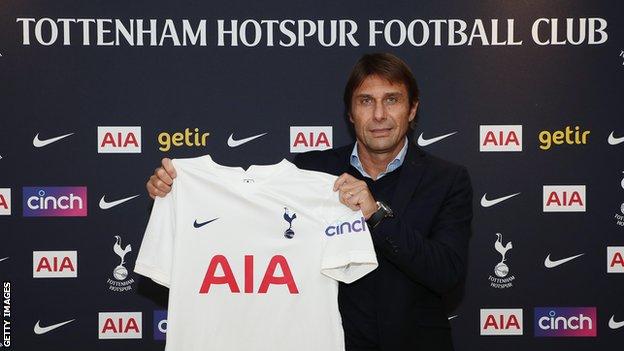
(418, 208)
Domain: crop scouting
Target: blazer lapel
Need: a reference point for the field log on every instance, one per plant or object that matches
(412, 170)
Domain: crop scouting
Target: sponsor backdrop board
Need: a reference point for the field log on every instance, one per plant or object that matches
(526, 95)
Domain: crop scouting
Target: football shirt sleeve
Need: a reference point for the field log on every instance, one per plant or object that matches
(156, 253)
(348, 253)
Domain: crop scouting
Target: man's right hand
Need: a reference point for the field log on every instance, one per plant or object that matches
(159, 184)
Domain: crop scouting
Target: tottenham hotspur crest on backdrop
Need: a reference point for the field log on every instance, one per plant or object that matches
(501, 280)
(120, 273)
(288, 217)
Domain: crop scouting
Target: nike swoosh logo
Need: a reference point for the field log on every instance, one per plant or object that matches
(234, 143)
(424, 142)
(451, 317)
(615, 325)
(613, 140)
(199, 225)
(2, 259)
(41, 143)
(42, 330)
(106, 205)
(552, 264)
(489, 203)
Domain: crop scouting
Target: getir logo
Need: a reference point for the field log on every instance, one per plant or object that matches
(500, 138)
(221, 262)
(568, 136)
(303, 139)
(565, 321)
(190, 138)
(5, 201)
(564, 198)
(120, 325)
(119, 140)
(57, 201)
(503, 321)
(55, 264)
(160, 325)
(359, 225)
(615, 259)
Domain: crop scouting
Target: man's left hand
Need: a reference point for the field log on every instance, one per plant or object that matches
(354, 193)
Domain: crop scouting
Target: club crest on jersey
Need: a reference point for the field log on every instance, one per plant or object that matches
(120, 273)
(288, 217)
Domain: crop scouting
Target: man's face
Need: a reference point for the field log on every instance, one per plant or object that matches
(380, 113)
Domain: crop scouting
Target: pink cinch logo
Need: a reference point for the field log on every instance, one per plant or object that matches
(57, 201)
(565, 321)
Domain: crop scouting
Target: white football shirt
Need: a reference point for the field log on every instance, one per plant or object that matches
(252, 258)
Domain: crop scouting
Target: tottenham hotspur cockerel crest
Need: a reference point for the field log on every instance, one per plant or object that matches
(288, 217)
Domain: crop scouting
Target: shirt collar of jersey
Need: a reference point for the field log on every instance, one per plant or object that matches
(394, 164)
(254, 173)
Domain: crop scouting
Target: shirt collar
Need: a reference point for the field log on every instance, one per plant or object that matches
(393, 165)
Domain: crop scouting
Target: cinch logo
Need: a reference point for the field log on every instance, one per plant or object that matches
(564, 198)
(504, 321)
(55, 201)
(303, 139)
(500, 138)
(219, 261)
(565, 321)
(559, 137)
(160, 325)
(5, 201)
(55, 264)
(188, 138)
(119, 140)
(359, 225)
(615, 259)
(119, 325)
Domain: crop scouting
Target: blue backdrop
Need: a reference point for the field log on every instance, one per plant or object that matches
(531, 91)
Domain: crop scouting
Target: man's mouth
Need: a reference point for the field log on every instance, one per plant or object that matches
(380, 131)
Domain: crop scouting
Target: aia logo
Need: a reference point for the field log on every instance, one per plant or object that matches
(504, 321)
(221, 263)
(5, 201)
(565, 321)
(564, 198)
(55, 264)
(615, 259)
(303, 139)
(500, 138)
(120, 325)
(119, 140)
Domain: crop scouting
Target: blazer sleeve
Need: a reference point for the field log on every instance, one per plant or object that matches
(436, 259)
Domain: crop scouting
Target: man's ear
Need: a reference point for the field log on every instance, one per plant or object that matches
(350, 117)
(413, 111)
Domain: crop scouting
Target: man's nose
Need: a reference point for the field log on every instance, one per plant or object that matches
(379, 113)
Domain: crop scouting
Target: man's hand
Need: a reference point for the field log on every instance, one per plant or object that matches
(354, 193)
(159, 184)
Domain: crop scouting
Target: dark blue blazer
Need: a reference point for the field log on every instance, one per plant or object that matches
(422, 251)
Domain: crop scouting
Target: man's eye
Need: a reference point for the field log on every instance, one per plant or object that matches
(366, 101)
(392, 100)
